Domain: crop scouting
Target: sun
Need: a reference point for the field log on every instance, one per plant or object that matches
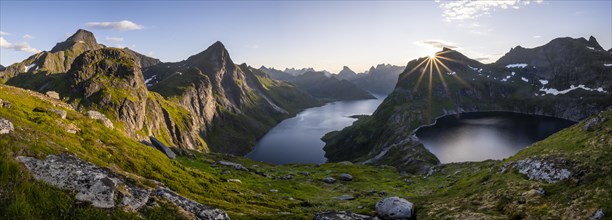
(432, 55)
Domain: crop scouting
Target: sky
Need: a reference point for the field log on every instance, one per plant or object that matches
(324, 35)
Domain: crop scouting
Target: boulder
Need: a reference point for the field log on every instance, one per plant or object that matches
(198, 210)
(287, 177)
(100, 117)
(329, 180)
(395, 208)
(53, 94)
(346, 177)
(234, 181)
(6, 126)
(163, 148)
(340, 215)
(61, 113)
(236, 166)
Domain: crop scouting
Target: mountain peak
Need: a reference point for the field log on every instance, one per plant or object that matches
(215, 54)
(80, 37)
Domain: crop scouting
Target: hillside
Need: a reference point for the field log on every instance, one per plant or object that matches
(574, 183)
(379, 79)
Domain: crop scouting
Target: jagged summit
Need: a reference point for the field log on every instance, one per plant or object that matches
(84, 37)
(215, 54)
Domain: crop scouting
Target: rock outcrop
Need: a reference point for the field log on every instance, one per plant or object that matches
(93, 184)
(105, 189)
(340, 215)
(162, 147)
(6, 126)
(548, 170)
(100, 117)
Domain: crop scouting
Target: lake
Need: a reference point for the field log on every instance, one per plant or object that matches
(486, 135)
(298, 139)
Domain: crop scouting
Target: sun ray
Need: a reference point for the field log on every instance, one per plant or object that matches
(442, 77)
(463, 82)
(413, 69)
(422, 74)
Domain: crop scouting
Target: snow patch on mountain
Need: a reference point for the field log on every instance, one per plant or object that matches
(608, 64)
(553, 91)
(516, 65)
(544, 82)
(524, 79)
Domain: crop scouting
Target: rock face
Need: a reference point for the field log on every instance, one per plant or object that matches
(163, 148)
(100, 117)
(6, 126)
(198, 210)
(395, 208)
(591, 123)
(329, 180)
(547, 170)
(340, 215)
(564, 79)
(93, 184)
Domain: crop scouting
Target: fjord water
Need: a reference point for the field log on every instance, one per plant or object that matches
(298, 139)
(486, 135)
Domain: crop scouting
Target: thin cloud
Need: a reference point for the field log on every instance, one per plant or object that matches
(114, 39)
(27, 37)
(438, 44)
(23, 46)
(537, 36)
(2, 33)
(471, 9)
(124, 25)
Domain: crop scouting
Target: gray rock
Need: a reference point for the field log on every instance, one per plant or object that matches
(304, 173)
(236, 166)
(100, 117)
(163, 148)
(287, 177)
(61, 113)
(4, 104)
(547, 170)
(53, 94)
(198, 210)
(599, 214)
(274, 190)
(226, 172)
(234, 181)
(72, 128)
(346, 177)
(395, 208)
(591, 123)
(91, 183)
(329, 180)
(345, 197)
(6, 126)
(340, 215)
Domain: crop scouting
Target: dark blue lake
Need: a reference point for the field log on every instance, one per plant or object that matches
(298, 139)
(486, 135)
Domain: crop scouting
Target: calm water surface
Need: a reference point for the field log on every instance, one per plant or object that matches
(298, 139)
(486, 135)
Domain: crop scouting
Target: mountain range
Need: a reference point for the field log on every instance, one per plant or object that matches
(566, 78)
(89, 131)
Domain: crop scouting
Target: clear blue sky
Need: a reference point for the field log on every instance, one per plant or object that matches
(320, 34)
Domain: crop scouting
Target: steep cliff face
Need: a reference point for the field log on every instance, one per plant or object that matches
(42, 71)
(110, 80)
(427, 89)
(231, 105)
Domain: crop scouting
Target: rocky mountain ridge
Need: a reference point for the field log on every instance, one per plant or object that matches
(570, 82)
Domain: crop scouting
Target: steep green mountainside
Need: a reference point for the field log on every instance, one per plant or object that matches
(564, 176)
(233, 104)
(453, 83)
(215, 104)
(42, 70)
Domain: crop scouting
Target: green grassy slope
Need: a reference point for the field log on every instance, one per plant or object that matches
(452, 191)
